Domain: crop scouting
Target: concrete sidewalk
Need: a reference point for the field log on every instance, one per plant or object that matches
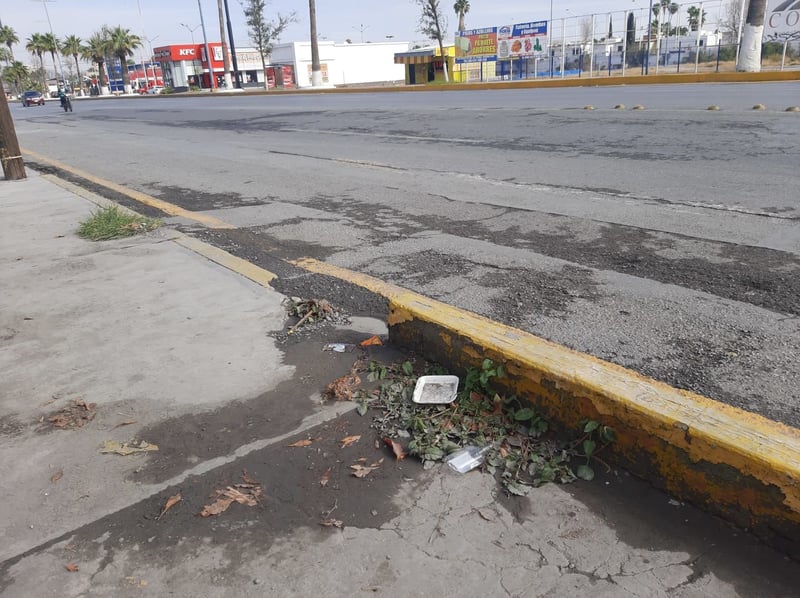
(183, 353)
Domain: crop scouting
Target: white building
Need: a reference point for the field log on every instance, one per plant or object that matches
(343, 64)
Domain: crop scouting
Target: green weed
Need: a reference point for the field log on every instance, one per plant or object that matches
(113, 223)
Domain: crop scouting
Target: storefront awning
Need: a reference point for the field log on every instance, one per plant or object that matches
(418, 57)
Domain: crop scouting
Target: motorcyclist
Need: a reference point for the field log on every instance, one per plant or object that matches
(62, 95)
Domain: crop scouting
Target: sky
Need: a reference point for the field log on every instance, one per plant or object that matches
(368, 20)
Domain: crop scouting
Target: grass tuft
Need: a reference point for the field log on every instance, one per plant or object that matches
(113, 223)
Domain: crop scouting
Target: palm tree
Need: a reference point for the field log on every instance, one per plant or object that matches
(122, 43)
(72, 46)
(17, 74)
(462, 8)
(35, 45)
(95, 51)
(5, 55)
(9, 37)
(50, 42)
(750, 49)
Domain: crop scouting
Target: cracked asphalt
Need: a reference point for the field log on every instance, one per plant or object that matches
(663, 240)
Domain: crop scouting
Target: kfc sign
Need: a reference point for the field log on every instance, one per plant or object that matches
(186, 52)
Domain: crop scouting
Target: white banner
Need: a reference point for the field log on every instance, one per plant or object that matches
(782, 21)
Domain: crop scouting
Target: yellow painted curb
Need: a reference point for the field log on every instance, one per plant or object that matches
(142, 198)
(731, 462)
(227, 260)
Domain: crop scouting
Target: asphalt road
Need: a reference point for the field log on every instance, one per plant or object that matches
(665, 239)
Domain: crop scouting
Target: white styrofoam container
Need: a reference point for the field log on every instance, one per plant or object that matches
(436, 389)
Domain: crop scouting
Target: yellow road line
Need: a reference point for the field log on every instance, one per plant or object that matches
(164, 206)
(227, 260)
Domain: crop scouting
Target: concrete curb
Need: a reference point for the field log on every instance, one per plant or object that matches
(738, 465)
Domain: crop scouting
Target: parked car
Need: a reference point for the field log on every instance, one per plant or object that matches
(32, 98)
(154, 89)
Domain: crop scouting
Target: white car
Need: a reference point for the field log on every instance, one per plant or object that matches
(155, 90)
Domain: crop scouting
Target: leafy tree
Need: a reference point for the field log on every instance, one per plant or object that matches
(433, 24)
(9, 37)
(35, 45)
(72, 46)
(122, 43)
(95, 51)
(462, 8)
(5, 55)
(263, 33)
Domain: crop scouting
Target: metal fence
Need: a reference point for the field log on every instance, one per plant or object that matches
(692, 37)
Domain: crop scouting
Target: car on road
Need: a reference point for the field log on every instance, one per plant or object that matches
(32, 98)
(154, 90)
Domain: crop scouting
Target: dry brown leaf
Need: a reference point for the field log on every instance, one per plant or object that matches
(127, 448)
(323, 481)
(373, 340)
(71, 568)
(301, 443)
(396, 447)
(171, 502)
(331, 523)
(342, 388)
(361, 471)
(218, 506)
(348, 440)
(56, 476)
(247, 479)
(248, 493)
(485, 515)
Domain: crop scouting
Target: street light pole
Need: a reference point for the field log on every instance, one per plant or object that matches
(60, 70)
(191, 31)
(211, 80)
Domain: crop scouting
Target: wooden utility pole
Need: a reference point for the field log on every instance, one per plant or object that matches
(13, 167)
